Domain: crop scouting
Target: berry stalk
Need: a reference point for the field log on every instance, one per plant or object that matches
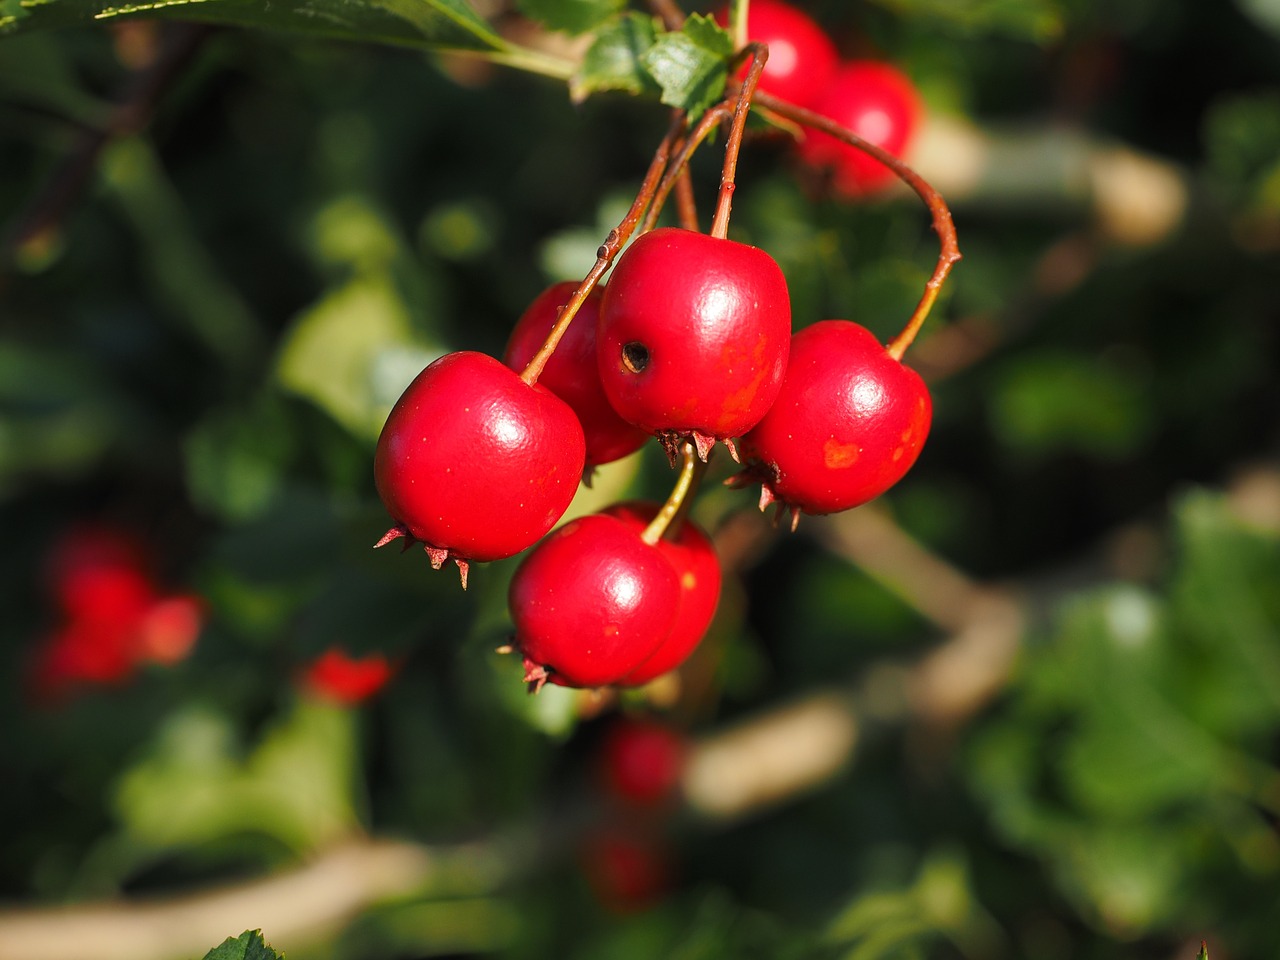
(614, 242)
(683, 150)
(759, 54)
(672, 512)
(948, 255)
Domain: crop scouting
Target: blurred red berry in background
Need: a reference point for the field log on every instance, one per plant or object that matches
(110, 615)
(641, 762)
(342, 678)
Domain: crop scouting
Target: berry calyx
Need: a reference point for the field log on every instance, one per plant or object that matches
(693, 335)
(688, 549)
(802, 58)
(848, 424)
(476, 463)
(591, 603)
(879, 103)
(572, 373)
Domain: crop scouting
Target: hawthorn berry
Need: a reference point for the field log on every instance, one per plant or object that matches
(628, 868)
(693, 335)
(342, 678)
(641, 761)
(690, 552)
(572, 373)
(98, 572)
(112, 616)
(849, 423)
(83, 652)
(879, 103)
(476, 463)
(802, 58)
(169, 628)
(590, 603)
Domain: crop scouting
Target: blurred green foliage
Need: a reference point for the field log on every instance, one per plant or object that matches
(201, 341)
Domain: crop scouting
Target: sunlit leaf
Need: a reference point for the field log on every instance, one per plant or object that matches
(431, 24)
(571, 16)
(615, 59)
(248, 946)
(690, 64)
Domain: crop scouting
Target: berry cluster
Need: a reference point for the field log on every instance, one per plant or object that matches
(112, 615)
(690, 342)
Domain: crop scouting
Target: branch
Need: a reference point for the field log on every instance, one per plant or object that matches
(1135, 199)
(295, 906)
(131, 114)
(790, 750)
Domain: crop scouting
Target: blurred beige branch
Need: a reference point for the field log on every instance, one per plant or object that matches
(294, 906)
(1134, 198)
(792, 749)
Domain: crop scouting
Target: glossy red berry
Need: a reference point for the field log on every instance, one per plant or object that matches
(641, 762)
(572, 373)
(848, 424)
(476, 463)
(878, 102)
(802, 58)
(693, 335)
(342, 678)
(690, 552)
(591, 603)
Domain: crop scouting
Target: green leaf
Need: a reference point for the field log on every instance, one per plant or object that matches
(355, 349)
(1055, 402)
(431, 24)
(691, 65)
(235, 458)
(614, 61)
(440, 23)
(571, 16)
(196, 786)
(248, 946)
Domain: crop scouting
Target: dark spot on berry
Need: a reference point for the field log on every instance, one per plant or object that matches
(635, 356)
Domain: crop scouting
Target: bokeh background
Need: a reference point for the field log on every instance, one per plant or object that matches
(1025, 705)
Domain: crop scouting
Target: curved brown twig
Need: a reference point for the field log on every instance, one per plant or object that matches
(949, 253)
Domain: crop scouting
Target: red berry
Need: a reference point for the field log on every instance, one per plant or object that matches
(476, 463)
(626, 869)
(693, 335)
(641, 761)
(802, 58)
(99, 573)
(694, 558)
(342, 678)
(878, 102)
(169, 628)
(849, 422)
(571, 373)
(82, 652)
(591, 603)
